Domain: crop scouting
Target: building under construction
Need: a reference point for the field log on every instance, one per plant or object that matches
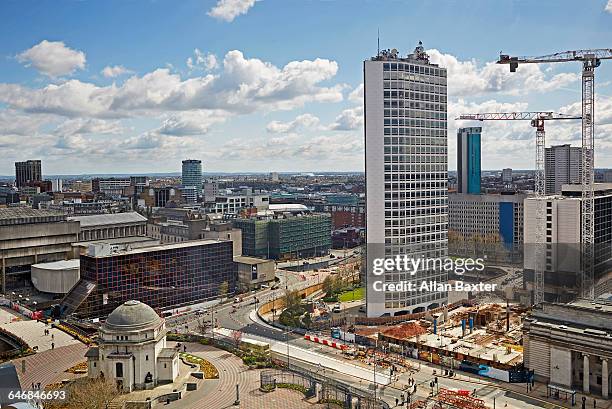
(485, 340)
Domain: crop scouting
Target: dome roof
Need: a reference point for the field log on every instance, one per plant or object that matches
(132, 315)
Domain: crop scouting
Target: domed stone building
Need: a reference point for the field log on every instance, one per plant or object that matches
(132, 349)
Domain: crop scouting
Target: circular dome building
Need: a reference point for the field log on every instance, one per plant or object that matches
(132, 349)
(132, 315)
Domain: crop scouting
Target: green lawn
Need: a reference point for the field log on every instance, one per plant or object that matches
(348, 295)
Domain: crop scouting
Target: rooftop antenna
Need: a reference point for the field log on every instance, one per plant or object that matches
(378, 39)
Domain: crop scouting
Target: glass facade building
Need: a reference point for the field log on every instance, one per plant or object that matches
(164, 277)
(192, 175)
(468, 160)
(405, 101)
(286, 237)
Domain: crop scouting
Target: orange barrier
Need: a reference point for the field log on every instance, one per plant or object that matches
(325, 341)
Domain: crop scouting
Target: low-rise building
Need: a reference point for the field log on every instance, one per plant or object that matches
(234, 203)
(111, 226)
(57, 277)
(29, 236)
(253, 272)
(165, 277)
(568, 346)
(285, 232)
(486, 224)
(132, 349)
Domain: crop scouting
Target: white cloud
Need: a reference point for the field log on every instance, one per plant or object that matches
(15, 123)
(348, 120)
(356, 95)
(89, 126)
(243, 86)
(301, 121)
(294, 148)
(114, 71)
(228, 10)
(609, 6)
(468, 78)
(191, 122)
(203, 61)
(53, 58)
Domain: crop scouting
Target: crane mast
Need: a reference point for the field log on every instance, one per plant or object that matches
(537, 121)
(590, 59)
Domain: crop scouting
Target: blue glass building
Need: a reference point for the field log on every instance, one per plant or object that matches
(468, 160)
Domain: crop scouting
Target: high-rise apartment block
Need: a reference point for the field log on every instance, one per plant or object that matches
(468, 160)
(192, 177)
(30, 170)
(562, 166)
(406, 175)
(507, 175)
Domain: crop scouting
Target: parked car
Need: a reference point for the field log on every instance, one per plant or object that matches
(337, 308)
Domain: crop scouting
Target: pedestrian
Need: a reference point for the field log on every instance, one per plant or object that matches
(52, 336)
(32, 385)
(396, 402)
(52, 345)
(184, 348)
(594, 403)
(38, 385)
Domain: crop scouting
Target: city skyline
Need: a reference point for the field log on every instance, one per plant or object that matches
(249, 86)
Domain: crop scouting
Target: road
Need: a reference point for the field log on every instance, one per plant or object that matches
(308, 355)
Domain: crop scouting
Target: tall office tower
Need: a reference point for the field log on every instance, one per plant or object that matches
(406, 177)
(27, 171)
(468, 160)
(192, 175)
(562, 166)
(507, 175)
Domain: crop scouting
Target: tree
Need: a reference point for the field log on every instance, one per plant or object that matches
(236, 338)
(85, 393)
(203, 325)
(329, 285)
(292, 299)
(223, 289)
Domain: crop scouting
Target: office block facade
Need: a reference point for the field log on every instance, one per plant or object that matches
(30, 170)
(562, 249)
(285, 237)
(562, 166)
(489, 224)
(164, 277)
(406, 173)
(468, 160)
(192, 175)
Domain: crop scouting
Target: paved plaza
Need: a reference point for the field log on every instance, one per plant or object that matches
(33, 332)
(221, 393)
(48, 367)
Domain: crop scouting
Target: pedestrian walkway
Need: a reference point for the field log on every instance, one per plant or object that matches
(221, 393)
(48, 367)
(8, 316)
(33, 333)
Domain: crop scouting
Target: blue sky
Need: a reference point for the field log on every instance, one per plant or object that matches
(271, 85)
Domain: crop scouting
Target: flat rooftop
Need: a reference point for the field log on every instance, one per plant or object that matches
(59, 265)
(250, 260)
(162, 247)
(109, 219)
(120, 240)
(27, 215)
